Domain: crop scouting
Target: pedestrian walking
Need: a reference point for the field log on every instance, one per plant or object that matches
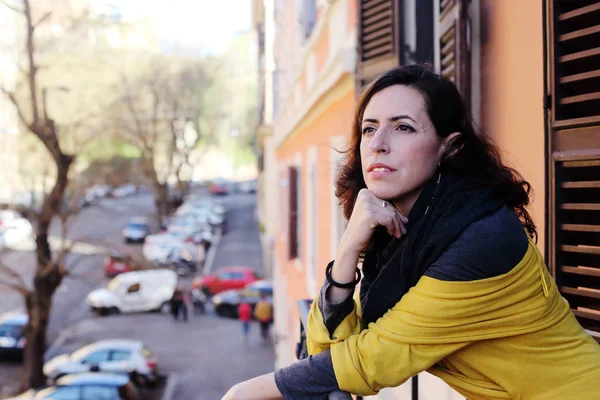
(452, 280)
(245, 316)
(198, 301)
(263, 313)
(178, 306)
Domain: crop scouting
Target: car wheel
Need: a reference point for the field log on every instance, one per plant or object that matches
(164, 308)
(227, 311)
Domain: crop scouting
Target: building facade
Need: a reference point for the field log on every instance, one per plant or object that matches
(530, 73)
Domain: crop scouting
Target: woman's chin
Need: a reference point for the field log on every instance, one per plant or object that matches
(385, 192)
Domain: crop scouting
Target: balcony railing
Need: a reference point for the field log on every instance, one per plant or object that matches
(302, 352)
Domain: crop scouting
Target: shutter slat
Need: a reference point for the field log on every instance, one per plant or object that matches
(366, 4)
(367, 22)
(376, 44)
(375, 9)
(582, 163)
(580, 228)
(581, 185)
(587, 313)
(581, 291)
(445, 7)
(380, 51)
(581, 270)
(378, 27)
(579, 34)
(579, 12)
(580, 98)
(580, 55)
(581, 248)
(581, 206)
(580, 77)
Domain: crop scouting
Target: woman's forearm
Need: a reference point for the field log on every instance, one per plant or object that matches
(343, 271)
(259, 388)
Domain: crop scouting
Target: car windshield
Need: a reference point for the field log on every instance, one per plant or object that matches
(135, 225)
(13, 331)
(146, 353)
(113, 284)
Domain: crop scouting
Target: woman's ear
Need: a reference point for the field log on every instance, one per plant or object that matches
(446, 141)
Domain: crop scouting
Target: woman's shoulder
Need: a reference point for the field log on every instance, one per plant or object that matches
(488, 247)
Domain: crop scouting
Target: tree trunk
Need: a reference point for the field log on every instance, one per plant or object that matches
(48, 277)
(159, 190)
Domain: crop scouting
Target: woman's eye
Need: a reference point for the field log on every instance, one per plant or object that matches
(405, 128)
(367, 130)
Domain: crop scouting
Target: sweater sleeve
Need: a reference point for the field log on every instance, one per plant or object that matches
(320, 336)
(309, 379)
(334, 314)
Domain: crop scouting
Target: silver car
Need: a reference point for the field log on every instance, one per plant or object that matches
(121, 356)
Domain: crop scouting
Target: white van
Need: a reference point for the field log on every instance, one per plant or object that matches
(136, 291)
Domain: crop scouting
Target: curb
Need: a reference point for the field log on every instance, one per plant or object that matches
(170, 388)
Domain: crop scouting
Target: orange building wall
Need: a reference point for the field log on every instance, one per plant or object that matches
(512, 91)
(352, 13)
(335, 120)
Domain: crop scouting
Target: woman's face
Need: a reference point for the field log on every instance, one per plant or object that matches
(399, 147)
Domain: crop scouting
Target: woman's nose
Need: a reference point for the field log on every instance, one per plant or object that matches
(379, 143)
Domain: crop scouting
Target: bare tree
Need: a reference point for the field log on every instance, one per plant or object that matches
(49, 271)
(164, 112)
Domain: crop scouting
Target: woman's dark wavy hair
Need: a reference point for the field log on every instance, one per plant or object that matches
(471, 154)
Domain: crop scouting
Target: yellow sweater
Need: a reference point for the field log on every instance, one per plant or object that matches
(508, 337)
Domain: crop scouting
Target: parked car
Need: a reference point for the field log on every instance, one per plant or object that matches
(226, 303)
(122, 356)
(248, 186)
(136, 230)
(166, 247)
(88, 386)
(12, 334)
(226, 279)
(138, 291)
(117, 263)
(124, 191)
(218, 187)
(14, 227)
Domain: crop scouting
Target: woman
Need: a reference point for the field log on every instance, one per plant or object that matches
(453, 282)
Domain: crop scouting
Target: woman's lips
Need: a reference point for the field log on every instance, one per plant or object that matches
(380, 172)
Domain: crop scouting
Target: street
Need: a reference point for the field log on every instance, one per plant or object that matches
(201, 358)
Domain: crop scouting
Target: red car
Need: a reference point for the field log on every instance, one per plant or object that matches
(225, 279)
(117, 263)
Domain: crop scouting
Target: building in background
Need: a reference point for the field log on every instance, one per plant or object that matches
(530, 73)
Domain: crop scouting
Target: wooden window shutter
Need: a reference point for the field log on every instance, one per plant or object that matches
(293, 213)
(454, 54)
(574, 155)
(379, 38)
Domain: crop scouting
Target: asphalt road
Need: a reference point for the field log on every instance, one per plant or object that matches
(202, 358)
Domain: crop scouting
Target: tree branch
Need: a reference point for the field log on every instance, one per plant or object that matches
(20, 287)
(42, 20)
(13, 100)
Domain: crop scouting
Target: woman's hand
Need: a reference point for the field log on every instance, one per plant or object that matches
(260, 388)
(370, 212)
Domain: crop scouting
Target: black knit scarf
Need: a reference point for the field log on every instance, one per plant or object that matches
(447, 205)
